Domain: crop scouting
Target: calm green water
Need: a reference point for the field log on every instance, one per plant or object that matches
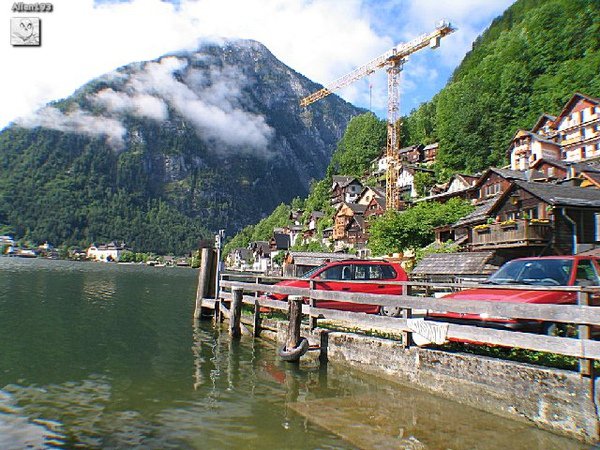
(106, 356)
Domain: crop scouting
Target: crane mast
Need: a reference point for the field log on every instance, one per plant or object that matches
(393, 60)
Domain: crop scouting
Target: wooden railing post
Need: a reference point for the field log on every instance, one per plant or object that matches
(586, 366)
(295, 319)
(236, 313)
(205, 279)
(407, 314)
(312, 319)
(256, 322)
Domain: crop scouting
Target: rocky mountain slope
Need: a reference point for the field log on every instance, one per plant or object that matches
(156, 153)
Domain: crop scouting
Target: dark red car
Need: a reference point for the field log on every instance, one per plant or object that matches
(543, 271)
(355, 275)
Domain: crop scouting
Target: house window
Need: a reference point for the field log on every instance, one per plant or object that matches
(550, 171)
(491, 190)
(597, 226)
(530, 213)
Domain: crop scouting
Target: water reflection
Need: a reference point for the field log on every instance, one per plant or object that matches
(137, 373)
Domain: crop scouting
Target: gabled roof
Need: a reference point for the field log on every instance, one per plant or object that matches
(480, 214)
(593, 177)
(354, 207)
(430, 146)
(507, 174)
(573, 100)
(377, 191)
(467, 263)
(560, 195)
(410, 148)
(578, 166)
(532, 135)
(540, 122)
(359, 220)
(343, 180)
(282, 241)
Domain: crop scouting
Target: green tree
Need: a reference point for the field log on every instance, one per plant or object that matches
(363, 141)
(396, 231)
(423, 182)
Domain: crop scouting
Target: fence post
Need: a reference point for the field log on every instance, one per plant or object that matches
(586, 366)
(205, 279)
(295, 320)
(256, 323)
(312, 320)
(236, 313)
(407, 314)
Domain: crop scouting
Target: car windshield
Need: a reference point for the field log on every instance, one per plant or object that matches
(542, 272)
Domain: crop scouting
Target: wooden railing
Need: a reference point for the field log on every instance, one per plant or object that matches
(520, 233)
(581, 315)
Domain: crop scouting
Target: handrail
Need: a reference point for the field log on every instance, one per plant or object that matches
(579, 315)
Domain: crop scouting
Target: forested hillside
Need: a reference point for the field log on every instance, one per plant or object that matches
(530, 61)
(161, 153)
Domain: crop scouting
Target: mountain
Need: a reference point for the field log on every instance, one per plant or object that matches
(530, 61)
(157, 153)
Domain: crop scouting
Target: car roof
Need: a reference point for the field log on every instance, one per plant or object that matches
(541, 258)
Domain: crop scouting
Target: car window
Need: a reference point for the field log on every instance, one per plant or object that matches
(548, 272)
(361, 272)
(586, 274)
(339, 272)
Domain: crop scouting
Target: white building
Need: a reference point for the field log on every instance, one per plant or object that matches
(110, 252)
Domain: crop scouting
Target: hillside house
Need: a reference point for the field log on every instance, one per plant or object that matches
(572, 136)
(349, 224)
(412, 154)
(345, 189)
(459, 185)
(429, 153)
(406, 180)
(368, 193)
(310, 229)
(536, 218)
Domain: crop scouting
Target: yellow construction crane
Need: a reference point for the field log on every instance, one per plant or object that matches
(393, 61)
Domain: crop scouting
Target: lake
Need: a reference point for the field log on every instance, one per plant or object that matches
(99, 355)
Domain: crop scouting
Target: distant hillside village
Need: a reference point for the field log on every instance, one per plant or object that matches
(547, 201)
(109, 252)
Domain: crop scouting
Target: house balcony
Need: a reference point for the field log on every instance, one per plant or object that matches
(518, 233)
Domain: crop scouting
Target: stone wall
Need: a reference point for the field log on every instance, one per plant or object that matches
(553, 399)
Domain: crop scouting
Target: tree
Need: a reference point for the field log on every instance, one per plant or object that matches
(363, 141)
(423, 182)
(396, 231)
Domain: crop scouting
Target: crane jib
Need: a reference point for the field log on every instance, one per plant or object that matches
(389, 58)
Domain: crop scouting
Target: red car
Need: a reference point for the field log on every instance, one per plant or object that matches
(543, 271)
(355, 275)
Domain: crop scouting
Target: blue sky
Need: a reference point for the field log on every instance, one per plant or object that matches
(322, 39)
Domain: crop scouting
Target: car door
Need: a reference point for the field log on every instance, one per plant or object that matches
(341, 278)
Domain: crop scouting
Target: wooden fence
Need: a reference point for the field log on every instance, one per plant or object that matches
(583, 316)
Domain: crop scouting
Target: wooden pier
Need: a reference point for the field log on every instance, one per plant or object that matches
(242, 300)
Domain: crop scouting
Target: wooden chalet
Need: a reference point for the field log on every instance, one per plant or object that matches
(412, 154)
(541, 218)
(429, 153)
(345, 189)
(346, 221)
(406, 180)
(459, 185)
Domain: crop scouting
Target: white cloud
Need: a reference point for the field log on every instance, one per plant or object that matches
(76, 120)
(322, 39)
